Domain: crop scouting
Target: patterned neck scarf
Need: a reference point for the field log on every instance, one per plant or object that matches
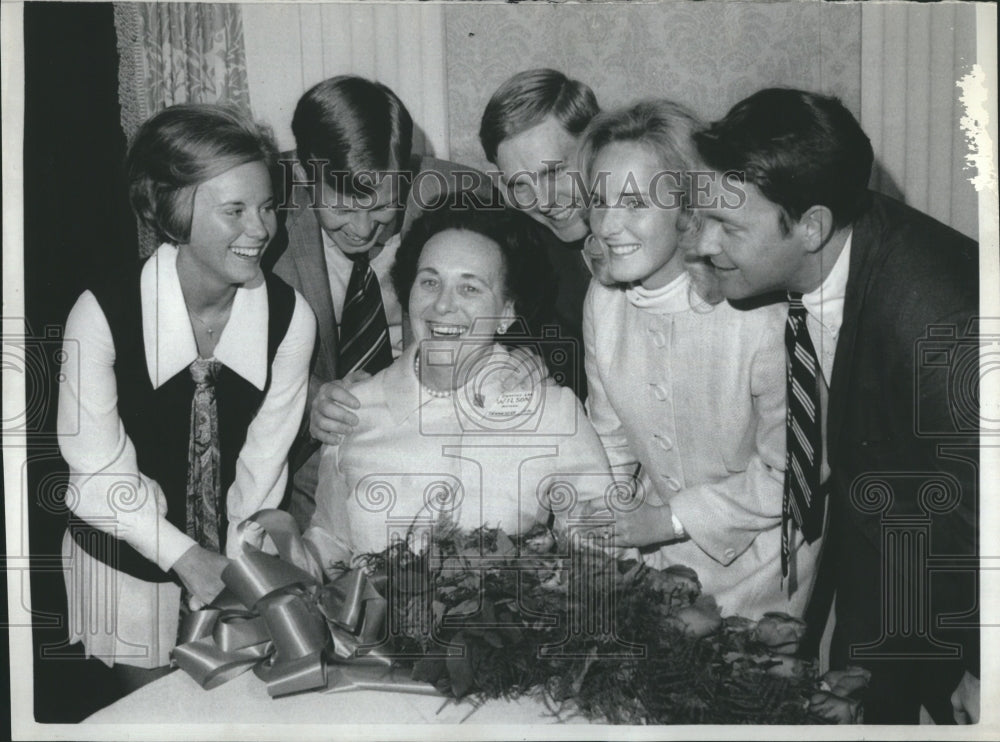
(203, 488)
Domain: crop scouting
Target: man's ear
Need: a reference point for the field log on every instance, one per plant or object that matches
(507, 315)
(509, 312)
(816, 226)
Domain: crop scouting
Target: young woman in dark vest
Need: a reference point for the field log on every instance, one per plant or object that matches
(185, 386)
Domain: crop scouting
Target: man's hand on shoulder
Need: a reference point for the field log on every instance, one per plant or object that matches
(331, 418)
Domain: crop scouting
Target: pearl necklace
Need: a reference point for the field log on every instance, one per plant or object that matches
(432, 392)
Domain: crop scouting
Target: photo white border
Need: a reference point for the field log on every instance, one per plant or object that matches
(21, 654)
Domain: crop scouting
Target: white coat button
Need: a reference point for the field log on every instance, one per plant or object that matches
(659, 392)
(659, 339)
(665, 443)
(672, 484)
(729, 553)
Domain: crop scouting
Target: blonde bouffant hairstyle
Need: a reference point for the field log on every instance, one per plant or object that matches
(666, 129)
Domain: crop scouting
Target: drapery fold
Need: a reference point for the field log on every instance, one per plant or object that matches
(177, 53)
(291, 47)
(912, 57)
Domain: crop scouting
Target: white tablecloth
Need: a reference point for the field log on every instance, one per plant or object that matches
(177, 699)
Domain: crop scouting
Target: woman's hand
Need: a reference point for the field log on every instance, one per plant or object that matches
(201, 572)
(647, 524)
(330, 418)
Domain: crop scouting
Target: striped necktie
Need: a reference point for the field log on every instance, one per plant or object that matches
(364, 330)
(803, 495)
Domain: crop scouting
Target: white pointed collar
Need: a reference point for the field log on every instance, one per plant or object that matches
(169, 339)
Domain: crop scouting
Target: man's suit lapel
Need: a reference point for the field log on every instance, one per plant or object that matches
(305, 244)
(864, 257)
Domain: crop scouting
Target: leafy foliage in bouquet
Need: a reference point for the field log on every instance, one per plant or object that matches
(481, 614)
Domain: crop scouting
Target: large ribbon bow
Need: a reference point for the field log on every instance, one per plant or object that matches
(275, 617)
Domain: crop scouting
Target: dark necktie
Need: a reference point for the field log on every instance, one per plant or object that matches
(803, 495)
(364, 331)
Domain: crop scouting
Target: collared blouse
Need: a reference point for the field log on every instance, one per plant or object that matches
(92, 437)
(696, 394)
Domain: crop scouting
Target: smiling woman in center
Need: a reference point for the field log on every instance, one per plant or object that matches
(438, 437)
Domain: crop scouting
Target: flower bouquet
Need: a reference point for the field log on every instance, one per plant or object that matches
(481, 615)
(557, 616)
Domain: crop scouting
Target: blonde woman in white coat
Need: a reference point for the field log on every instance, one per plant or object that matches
(687, 392)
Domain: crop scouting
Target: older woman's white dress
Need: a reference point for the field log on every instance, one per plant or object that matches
(480, 457)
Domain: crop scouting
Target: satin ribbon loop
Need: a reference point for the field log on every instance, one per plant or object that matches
(198, 624)
(301, 674)
(266, 618)
(254, 576)
(296, 627)
(211, 667)
(356, 612)
(284, 535)
(238, 630)
(273, 616)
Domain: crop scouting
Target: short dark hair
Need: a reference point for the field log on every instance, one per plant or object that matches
(529, 97)
(527, 272)
(179, 148)
(352, 125)
(799, 149)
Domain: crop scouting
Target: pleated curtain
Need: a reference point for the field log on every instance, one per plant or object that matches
(177, 53)
(912, 59)
(290, 48)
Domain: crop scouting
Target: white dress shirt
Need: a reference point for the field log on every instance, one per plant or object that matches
(825, 310)
(338, 270)
(824, 315)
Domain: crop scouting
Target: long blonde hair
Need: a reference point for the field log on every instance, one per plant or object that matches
(665, 128)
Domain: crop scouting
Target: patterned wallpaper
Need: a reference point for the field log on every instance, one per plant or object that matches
(707, 55)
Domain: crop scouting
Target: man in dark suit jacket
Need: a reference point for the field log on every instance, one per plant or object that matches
(890, 297)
